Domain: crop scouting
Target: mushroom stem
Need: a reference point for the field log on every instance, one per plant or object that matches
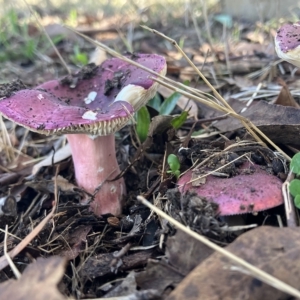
(95, 162)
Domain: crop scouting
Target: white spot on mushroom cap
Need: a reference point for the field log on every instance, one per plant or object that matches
(113, 189)
(91, 97)
(40, 96)
(132, 94)
(90, 115)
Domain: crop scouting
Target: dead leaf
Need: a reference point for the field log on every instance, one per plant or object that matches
(255, 37)
(127, 287)
(38, 281)
(48, 186)
(61, 154)
(75, 240)
(159, 124)
(159, 276)
(274, 250)
(285, 97)
(98, 57)
(21, 165)
(185, 253)
(280, 123)
(100, 265)
(8, 178)
(9, 207)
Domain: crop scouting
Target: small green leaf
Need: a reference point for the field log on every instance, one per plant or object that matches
(155, 102)
(295, 187)
(142, 123)
(173, 162)
(169, 104)
(297, 201)
(295, 164)
(177, 173)
(198, 132)
(178, 121)
(82, 58)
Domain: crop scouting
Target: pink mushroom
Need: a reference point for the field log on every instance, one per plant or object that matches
(253, 190)
(287, 43)
(89, 107)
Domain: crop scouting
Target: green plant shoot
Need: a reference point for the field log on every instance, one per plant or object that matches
(174, 165)
(79, 58)
(178, 121)
(294, 186)
(142, 123)
(295, 164)
(169, 104)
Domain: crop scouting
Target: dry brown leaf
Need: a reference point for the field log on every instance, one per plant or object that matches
(101, 265)
(185, 253)
(279, 123)
(285, 97)
(158, 275)
(159, 124)
(76, 239)
(255, 37)
(274, 250)
(38, 281)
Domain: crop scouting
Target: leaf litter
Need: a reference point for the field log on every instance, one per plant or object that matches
(137, 254)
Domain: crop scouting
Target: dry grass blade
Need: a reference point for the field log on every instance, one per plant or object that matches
(9, 260)
(252, 270)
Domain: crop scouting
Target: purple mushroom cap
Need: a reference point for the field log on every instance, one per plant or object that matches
(243, 193)
(287, 42)
(84, 103)
(288, 37)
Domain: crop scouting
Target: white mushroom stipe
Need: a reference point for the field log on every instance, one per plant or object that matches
(89, 115)
(91, 97)
(131, 93)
